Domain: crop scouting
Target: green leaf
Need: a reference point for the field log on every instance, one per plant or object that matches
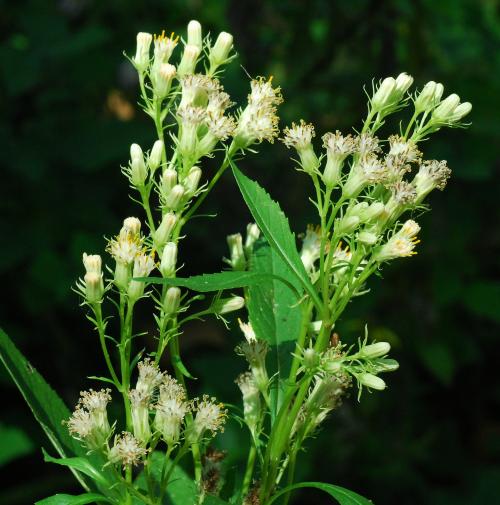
(274, 312)
(342, 495)
(81, 464)
(69, 499)
(274, 225)
(14, 443)
(212, 282)
(49, 410)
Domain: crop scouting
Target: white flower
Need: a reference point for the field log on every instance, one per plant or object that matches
(218, 102)
(210, 416)
(191, 115)
(311, 247)
(263, 94)
(432, 174)
(221, 127)
(398, 246)
(298, 136)
(149, 378)
(126, 450)
(237, 258)
(367, 144)
(407, 149)
(248, 332)
(164, 47)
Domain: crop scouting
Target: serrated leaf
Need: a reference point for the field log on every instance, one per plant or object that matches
(274, 225)
(68, 499)
(47, 407)
(275, 313)
(212, 282)
(342, 495)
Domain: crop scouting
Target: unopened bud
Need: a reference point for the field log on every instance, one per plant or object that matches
(162, 77)
(192, 181)
(141, 58)
(194, 34)
(92, 263)
(253, 233)
(171, 301)
(371, 381)
(226, 305)
(427, 99)
(403, 83)
(138, 171)
(372, 212)
(168, 181)
(376, 350)
(174, 199)
(94, 287)
(154, 160)
(188, 61)
(219, 53)
(237, 255)
(444, 111)
(461, 111)
(310, 359)
(164, 231)
(386, 365)
(384, 94)
(168, 260)
(347, 225)
(131, 226)
(367, 238)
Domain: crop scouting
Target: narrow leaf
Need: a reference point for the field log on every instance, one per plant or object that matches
(68, 499)
(342, 495)
(47, 407)
(274, 225)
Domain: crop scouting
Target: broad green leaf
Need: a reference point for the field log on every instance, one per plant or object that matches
(81, 464)
(68, 499)
(342, 495)
(274, 312)
(49, 410)
(14, 443)
(212, 282)
(274, 225)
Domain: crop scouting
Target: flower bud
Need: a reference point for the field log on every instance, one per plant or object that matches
(131, 226)
(219, 52)
(253, 233)
(194, 35)
(92, 263)
(372, 212)
(174, 199)
(237, 256)
(164, 231)
(168, 181)
(168, 260)
(138, 171)
(94, 287)
(444, 111)
(162, 77)
(139, 407)
(403, 82)
(376, 350)
(141, 58)
(386, 365)
(310, 359)
(143, 265)
(226, 305)
(172, 300)
(384, 96)
(461, 111)
(347, 224)
(188, 61)
(371, 381)
(192, 181)
(427, 99)
(251, 401)
(367, 238)
(154, 160)
(122, 276)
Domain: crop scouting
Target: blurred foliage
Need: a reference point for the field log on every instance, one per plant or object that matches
(67, 117)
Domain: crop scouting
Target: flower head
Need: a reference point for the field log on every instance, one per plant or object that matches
(164, 47)
(210, 416)
(404, 193)
(126, 450)
(406, 149)
(432, 174)
(298, 136)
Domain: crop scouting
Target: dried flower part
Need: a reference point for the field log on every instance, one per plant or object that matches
(150, 377)
(311, 247)
(406, 149)
(196, 89)
(373, 170)
(126, 450)
(431, 175)
(221, 127)
(404, 193)
(367, 145)
(338, 145)
(191, 115)
(139, 406)
(218, 102)
(248, 331)
(299, 136)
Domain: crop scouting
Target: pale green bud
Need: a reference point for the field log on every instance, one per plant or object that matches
(192, 181)
(94, 287)
(237, 256)
(174, 199)
(444, 111)
(188, 61)
(308, 159)
(172, 300)
(386, 365)
(227, 305)
(428, 97)
(403, 83)
(376, 350)
(140, 416)
(164, 231)
(131, 226)
(461, 111)
(372, 212)
(138, 170)
(219, 52)
(253, 233)
(122, 276)
(162, 77)
(371, 381)
(251, 400)
(347, 225)
(143, 265)
(141, 58)
(367, 238)
(168, 181)
(194, 34)
(310, 359)
(154, 160)
(168, 259)
(333, 170)
(384, 95)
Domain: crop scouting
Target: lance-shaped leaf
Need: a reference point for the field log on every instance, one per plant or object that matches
(47, 407)
(68, 499)
(342, 495)
(274, 225)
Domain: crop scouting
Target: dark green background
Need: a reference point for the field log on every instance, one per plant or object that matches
(432, 437)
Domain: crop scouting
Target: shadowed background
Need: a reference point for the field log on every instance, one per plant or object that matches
(69, 113)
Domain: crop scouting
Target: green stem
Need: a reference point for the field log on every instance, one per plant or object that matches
(145, 194)
(247, 479)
